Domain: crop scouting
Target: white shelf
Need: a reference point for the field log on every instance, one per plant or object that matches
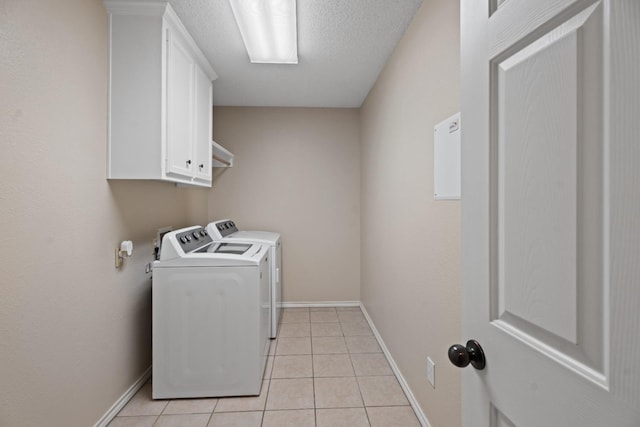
(221, 157)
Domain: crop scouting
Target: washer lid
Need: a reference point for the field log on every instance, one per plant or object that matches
(235, 248)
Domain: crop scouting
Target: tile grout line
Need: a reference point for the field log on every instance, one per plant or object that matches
(275, 351)
(313, 375)
(364, 405)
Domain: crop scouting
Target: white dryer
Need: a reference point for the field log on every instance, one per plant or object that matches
(226, 230)
(211, 310)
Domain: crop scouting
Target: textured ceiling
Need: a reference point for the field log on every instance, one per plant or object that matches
(342, 47)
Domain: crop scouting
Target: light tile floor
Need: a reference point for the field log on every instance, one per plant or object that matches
(325, 369)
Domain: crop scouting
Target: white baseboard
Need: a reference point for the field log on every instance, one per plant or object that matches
(403, 383)
(315, 304)
(126, 397)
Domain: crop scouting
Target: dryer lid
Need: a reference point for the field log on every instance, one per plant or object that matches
(266, 237)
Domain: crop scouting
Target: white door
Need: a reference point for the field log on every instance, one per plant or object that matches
(551, 211)
(203, 129)
(180, 102)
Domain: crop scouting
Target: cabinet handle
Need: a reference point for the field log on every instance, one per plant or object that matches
(201, 166)
(188, 163)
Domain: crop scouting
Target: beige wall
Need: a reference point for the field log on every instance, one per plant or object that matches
(74, 331)
(296, 171)
(410, 243)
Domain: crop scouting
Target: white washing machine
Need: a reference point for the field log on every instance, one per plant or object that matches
(226, 230)
(211, 311)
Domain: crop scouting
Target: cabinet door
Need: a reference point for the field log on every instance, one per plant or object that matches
(179, 121)
(203, 132)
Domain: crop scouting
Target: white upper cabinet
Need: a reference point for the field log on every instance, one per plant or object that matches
(160, 97)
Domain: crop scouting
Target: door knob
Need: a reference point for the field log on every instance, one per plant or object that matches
(472, 353)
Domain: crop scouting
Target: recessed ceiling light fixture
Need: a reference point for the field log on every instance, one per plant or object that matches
(268, 29)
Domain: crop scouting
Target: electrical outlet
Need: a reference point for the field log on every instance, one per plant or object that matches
(431, 372)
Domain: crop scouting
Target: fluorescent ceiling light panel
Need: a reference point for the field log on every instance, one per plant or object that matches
(268, 29)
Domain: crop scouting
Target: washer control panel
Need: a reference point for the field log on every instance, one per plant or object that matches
(193, 239)
(226, 227)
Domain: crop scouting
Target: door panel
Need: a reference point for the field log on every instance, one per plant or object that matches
(180, 80)
(203, 129)
(548, 192)
(546, 212)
